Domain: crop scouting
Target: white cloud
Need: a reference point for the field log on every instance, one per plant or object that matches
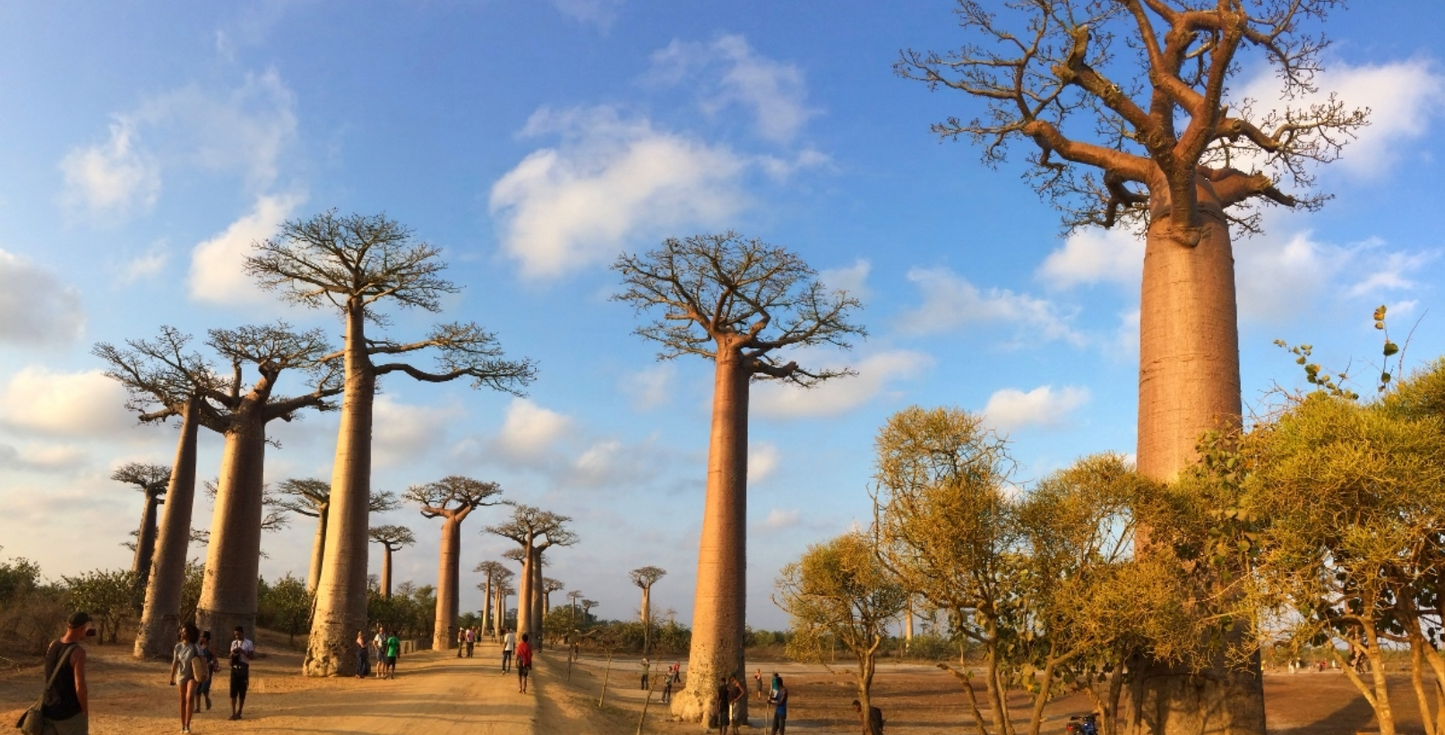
(950, 302)
(112, 180)
(64, 404)
(405, 433)
(779, 519)
(1392, 272)
(1011, 408)
(609, 182)
(530, 432)
(763, 459)
(1280, 278)
(1402, 96)
(36, 308)
(772, 399)
(601, 13)
(217, 265)
(853, 278)
(775, 93)
(650, 388)
(1095, 255)
(145, 265)
(42, 457)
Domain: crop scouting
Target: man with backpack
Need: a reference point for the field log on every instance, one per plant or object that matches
(65, 704)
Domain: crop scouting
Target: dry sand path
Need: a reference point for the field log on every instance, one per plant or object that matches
(433, 694)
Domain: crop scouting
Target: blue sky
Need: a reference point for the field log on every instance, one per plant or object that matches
(147, 145)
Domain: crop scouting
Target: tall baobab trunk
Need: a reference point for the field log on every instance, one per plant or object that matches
(500, 606)
(908, 625)
(160, 617)
(318, 549)
(386, 572)
(534, 606)
(524, 595)
(448, 581)
(646, 619)
(1189, 384)
(721, 600)
(228, 594)
(145, 540)
(486, 608)
(341, 591)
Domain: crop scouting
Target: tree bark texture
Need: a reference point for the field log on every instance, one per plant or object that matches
(524, 593)
(160, 618)
(535, 606)
(318, 549)
(720, 602)
(228, 594)
(1189, 384)
(386, 573)
(145, 540)
(444, 632)
(341, 591)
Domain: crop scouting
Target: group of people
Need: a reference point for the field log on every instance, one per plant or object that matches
(385, 647)
(193, 663)
(467, 640)
(730, 697)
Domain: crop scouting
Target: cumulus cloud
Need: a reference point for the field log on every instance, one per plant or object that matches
(853, 278)
(83, 404)
(950, 302)
(217, 265)
(41, 457)
(1402, 96)
(600, 13)
(1095, 255)
(405, 433)
(876, 373)
(779, 519)
(729, 72)
(608, 182)
(763, 459)
(145, 265)
(650, 388)
(1280, 278)
(1011, 408)
(111, 180)
(530, 432)
(36, 308)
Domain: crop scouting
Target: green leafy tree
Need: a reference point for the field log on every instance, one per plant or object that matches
(287, 604)
(109, 597)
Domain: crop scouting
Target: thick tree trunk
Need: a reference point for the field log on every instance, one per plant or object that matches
(720, 603)
(341, 592)
(1188, 385)
(444, 632)
(524, 592)
(535, 607)
(228, 594)
(646, 620)
(386, 573)
(486, 608)
(160, 618)
(145, 543)
(318, 550)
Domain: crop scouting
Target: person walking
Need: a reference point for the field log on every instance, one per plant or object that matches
(203, 689)
(243, 651)
(65, 708)
(524, 663)
(184, 660)
(873, 723)
(667, 690)
(779, 701)
(509, 644)
(471, 640)
(461, 641)
(393, 652)
(363, 661)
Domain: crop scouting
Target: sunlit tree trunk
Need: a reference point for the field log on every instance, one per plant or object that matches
(228, 594)
(318, 549)
(1189, 384)
(646, 619)
(341, 592)
(721, 600)
(486, 608)
(386, 572)
(160, 617)
(524, 593)
(534, 606)
(448, 579)
(145, 540)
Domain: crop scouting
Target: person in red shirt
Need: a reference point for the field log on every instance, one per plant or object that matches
(524, 662)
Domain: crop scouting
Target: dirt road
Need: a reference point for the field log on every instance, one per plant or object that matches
(433, 694)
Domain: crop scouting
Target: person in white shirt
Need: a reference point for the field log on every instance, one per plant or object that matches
(242, 652)
(509, 644)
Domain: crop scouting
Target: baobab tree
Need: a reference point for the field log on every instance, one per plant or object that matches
(311, 497)
(587, 606)
(501, 587)
(228, 594)
(738, 303)
(1150, 137)
(491, 571)
(451, 499)
(357, 265)
(550, 585)
(535, 530)
(574, 596)
(391, 538)
(152, 480)
(645, 577)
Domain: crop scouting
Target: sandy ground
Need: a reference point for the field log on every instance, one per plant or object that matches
(438, 694)
(433, 694)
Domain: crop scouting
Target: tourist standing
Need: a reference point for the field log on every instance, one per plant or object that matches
(363, 661)
(471, 640)
(203, 689)
(737, 693)
(646, 667)
(724, 699)
(378, 645)
(461, 641)
(779, 701)
(243, 651)
(509, 643)
(183, 671)
(524, 663)
(66, 709)
(393, 652)
(758, 682)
